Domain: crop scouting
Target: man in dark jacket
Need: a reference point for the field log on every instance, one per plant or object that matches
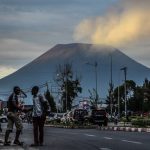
(14, 107)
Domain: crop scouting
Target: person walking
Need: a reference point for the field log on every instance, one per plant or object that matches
(14, 107)
(38, 116)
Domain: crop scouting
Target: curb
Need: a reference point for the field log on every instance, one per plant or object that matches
(114, 128)
(128, 129)
(72, 127)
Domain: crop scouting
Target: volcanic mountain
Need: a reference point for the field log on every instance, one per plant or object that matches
(44, 68)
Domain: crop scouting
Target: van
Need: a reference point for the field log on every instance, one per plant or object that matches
(99, 117)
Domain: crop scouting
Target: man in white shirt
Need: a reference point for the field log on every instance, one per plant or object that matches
(38, 117)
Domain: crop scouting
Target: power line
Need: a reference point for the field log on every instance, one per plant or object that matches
(26, 90)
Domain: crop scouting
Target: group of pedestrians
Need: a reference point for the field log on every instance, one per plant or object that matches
(15, 107)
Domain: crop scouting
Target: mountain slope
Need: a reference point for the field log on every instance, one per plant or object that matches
(44, 67)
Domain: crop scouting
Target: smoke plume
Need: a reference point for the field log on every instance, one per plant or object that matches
(130, 23)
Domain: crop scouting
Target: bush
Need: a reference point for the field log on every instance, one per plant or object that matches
(141, 122)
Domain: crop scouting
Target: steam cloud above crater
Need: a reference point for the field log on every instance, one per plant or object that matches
(130, 23)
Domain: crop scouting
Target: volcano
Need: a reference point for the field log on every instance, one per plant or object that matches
(43, 69)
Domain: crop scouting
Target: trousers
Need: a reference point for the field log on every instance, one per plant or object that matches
(38, 129)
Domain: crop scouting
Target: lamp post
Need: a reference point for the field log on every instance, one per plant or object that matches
(125, 89)
(95, 65)
(119, 96)
(111, 88)
(118, 102)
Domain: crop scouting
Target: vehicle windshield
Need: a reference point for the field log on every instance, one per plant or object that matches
(80, 112)
(99, 112)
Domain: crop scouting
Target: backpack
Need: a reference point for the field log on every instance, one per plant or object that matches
(10, 105)
(45, 106)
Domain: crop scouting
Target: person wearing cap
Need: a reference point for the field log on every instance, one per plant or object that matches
(13, 118)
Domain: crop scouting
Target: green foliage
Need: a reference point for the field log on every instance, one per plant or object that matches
(51, 101)
(70, 86)
(135, 95)
(141, 122)
(93, 97)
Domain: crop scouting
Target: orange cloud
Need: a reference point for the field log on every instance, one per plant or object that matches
(117, 29)
(4, 71)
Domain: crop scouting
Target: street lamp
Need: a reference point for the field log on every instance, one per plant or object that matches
(111, 88)
(66, 86)
(95, 65)
(118, 102)
(125, 89)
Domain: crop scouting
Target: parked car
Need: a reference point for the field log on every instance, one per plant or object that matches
(99, 117)
(57, 117)
(69, 116)
(80, 114)
(64, 118)
(3, 119)
(50, 117)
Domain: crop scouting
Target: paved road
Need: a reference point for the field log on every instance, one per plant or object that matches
(77, 139)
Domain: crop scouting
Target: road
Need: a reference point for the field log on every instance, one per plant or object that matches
(85, 139)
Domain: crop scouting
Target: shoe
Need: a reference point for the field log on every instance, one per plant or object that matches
(18, 143)
(7, 143)
(34, 144)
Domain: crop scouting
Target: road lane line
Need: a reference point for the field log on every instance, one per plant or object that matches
(90, 135)
(108, 138)
(105, 149)
(134, 142)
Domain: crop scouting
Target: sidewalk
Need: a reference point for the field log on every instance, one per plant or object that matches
(14, 147)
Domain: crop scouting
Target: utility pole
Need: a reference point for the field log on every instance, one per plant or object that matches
(66, 86)
(96, 81)
(125, 89)
(111, 87)
(118, 102)
(95, 65)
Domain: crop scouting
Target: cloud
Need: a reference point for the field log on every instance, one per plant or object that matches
(4, 71)
(120, 27)
(18, 48)
(17, 52)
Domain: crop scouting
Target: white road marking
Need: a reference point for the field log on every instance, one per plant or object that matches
(108, 138)
(105, 149)
(134, 142)
(89, 135)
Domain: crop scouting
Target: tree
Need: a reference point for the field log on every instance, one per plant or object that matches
(130, 92)
(93, 97)
(70, 86)
(51, 101)
(146, 95)
(110, 100)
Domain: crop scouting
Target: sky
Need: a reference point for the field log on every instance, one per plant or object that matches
(28, 28)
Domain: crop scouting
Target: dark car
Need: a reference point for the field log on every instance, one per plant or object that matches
(99, 117)
(79, 115)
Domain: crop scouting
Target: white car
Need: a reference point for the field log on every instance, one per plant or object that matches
(70, 116)
(64, 117)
